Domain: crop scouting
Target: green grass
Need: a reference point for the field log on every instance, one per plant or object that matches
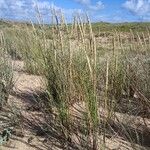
(79, 68)
(121, 27)
(5, 73)
(10, 115)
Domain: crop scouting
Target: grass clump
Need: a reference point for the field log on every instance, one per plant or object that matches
(5, 73)
(71, 75)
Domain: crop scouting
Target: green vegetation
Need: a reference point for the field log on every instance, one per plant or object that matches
(121, 27)
(5, 73)
(104, 67)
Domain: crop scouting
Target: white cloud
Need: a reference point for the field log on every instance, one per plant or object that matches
(27, 9)
(99, 5)
(84, 2)
(88, 4)
(15, 8)
(139, 8)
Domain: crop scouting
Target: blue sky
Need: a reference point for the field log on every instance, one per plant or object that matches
(98, 10)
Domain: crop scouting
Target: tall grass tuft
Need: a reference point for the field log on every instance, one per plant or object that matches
(5, 72)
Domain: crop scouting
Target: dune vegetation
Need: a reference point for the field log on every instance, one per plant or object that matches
(96, 82)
